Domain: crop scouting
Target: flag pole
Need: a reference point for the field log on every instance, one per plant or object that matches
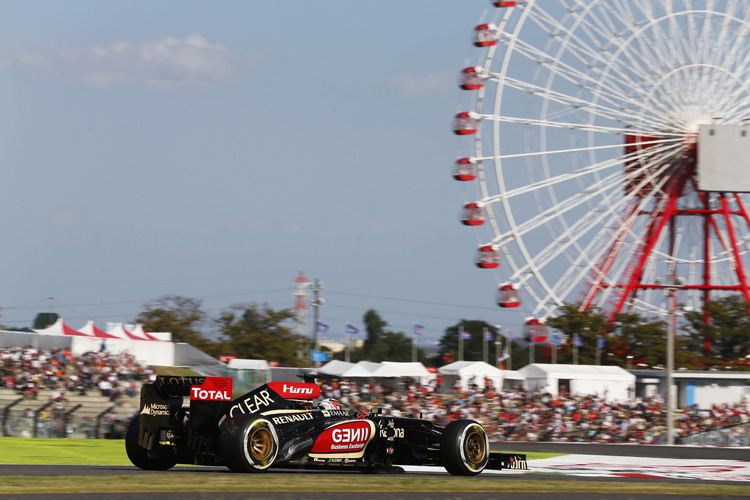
(348, 345)
(484, 344)
(460, 342)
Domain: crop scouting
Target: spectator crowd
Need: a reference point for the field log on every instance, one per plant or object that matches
(523, 415)
(57, 374)
(508, 415)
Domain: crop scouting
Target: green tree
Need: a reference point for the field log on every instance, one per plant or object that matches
(473, 347)
(182, 316)
(255, 332)
(722, 336)
(629, 339)
(382, 344)
(588, 325)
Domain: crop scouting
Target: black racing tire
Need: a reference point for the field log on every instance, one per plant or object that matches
(139, 456)
(253, 448)
(464, 448)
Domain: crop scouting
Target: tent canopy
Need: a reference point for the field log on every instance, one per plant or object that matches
(610, 382)
(368, 369)
(248, 364)
(478, 371)
(91, 330)
(60, 328)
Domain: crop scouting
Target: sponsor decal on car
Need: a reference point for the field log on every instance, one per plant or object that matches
(295, 390)
(294, 417)
(213, 389)
(252, 404)
(347, 439)
(155, 409)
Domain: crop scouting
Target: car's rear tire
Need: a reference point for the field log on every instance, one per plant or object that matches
(464, 448)
(140, 457)
(252, 449)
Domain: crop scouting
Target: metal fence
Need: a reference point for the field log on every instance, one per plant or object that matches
(74, 422)
(738, 435)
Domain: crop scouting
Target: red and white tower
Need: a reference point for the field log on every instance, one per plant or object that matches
(301, 311)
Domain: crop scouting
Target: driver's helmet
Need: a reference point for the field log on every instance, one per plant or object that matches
(329, 404)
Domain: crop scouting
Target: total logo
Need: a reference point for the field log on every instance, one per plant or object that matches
(213, 389)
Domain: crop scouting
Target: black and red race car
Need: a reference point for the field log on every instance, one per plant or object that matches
(276, 425)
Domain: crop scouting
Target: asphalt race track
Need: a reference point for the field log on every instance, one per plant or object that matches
(682, 454)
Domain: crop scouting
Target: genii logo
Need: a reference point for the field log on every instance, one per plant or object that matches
(213, 389)
(295, 390)
(347, 437)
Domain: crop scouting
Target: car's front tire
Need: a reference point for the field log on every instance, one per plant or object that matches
(252, 449)
(140, 456)
(464, 448)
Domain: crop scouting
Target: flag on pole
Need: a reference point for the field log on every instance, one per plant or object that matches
(351, 329)
(465, 335)
(321, 327)
(487, 334)
(556, 340)
(418, 329)
(509, 336)
(577, 340)
(503, 357)
(599, 342)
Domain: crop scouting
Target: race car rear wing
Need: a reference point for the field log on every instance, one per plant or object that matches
(162, 400)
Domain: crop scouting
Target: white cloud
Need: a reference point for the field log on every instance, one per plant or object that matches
(166, 63)
(410, 85)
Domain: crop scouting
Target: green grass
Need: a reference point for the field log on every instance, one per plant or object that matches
(112, 452)
(53, 451)
(50, 451)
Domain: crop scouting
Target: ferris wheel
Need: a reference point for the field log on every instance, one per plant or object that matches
(604, 148)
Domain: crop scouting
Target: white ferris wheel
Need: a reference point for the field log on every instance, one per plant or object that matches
(602, 145)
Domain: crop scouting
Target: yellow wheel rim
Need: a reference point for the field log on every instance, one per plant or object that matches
(476, 448)
(261, 444)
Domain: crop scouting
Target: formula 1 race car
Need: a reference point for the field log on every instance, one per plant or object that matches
(276, 425)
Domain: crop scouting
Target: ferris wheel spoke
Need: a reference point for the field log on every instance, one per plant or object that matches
(662, 150)
(546, 216)
(599, 61)
(614, 93)
(567, 125)
(575, 103)
(605, 210)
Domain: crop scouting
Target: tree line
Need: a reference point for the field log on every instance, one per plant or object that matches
(718, 338)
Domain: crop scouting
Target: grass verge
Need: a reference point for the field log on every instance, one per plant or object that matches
(112, 453)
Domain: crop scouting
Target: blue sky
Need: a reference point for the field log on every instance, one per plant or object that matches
(215, 149)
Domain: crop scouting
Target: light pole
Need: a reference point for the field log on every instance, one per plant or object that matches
(315, 304)
(672, 286)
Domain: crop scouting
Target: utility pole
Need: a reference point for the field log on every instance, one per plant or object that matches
(315, 304)
(498, 345)
(674, 283)
(485, 347)
(460, 342)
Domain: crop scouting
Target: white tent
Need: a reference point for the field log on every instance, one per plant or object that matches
(416, 371)
(475, 372)
(60, 328)
(384, 370)
(121, 332)
(248, 364)
(609, 382)
(342, 369)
